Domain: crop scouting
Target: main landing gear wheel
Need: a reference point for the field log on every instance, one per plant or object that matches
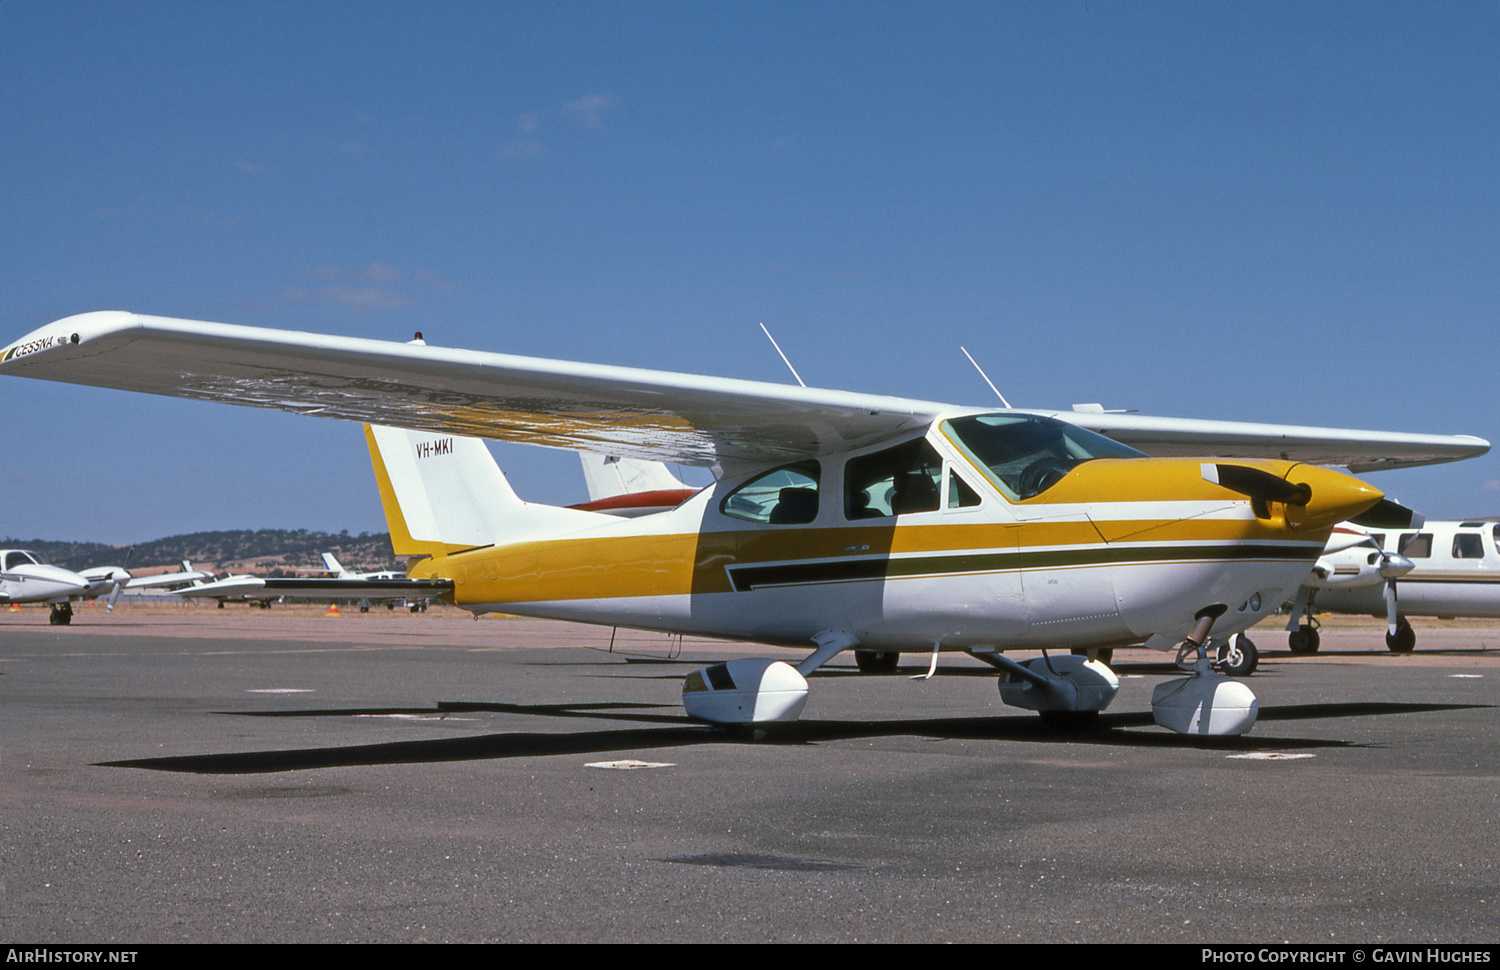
(62, 614)
(1238, 656)
(1404, 640)
(1303, 640)
(877, 661)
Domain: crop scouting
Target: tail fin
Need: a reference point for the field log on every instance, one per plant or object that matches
(609, 477)
(443, 493)
(631, 486)
(334, 566)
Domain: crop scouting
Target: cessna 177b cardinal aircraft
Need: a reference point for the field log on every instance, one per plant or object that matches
(838, 520)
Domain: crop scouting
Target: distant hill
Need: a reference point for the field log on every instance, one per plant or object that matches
(246, 550)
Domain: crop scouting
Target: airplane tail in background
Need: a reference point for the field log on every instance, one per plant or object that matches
(334, 566)
(630, 486)
(443, 493)
(608, 476)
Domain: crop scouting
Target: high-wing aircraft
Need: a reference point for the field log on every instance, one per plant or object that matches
(24, 578)
(1441, 569)
(838, 520)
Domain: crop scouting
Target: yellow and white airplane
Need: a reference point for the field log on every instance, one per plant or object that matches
(838, 520)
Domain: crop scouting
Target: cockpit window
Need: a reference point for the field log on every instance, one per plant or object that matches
(18, 557)
(784, 496)
(1027, 454)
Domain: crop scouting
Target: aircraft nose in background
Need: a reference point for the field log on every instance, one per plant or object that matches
(1336, 497)
(56, 580)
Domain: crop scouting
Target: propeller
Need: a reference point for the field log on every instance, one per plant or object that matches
(123, 571)
(1261, 486)
(1392, 565)
(1386, 514)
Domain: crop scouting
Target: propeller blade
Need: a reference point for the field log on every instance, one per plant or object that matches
(1390, 606)
(1386, 514)
(1258, 484)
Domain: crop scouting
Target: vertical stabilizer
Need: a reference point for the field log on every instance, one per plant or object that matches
(609, 477)
(444, 492)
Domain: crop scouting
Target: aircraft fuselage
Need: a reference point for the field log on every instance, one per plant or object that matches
(1110, 553)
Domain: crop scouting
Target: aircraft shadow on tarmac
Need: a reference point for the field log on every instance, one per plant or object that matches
(676, 730)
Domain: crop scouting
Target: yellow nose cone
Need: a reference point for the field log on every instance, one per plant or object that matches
(1336, 496)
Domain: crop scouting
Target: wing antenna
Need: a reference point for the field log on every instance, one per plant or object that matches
(783, 356)
(985, 376)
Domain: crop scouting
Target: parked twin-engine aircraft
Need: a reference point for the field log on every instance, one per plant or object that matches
(24, 578)
(365, 588)
(838, 520)
(1442, 569)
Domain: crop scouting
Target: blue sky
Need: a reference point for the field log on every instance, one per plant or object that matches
(1260, 211)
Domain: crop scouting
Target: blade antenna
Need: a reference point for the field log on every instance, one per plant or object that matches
(783, 356)
(985, 376)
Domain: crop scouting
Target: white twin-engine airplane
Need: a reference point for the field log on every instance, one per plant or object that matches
(24, 578)
(1442, 569)
(838, 521)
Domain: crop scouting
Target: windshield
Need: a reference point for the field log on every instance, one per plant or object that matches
(1026, 454)
(18, 557)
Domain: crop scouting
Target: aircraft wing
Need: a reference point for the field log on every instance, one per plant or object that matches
(655, 415)
(1358, 451)
(652, 415)
(258, 587)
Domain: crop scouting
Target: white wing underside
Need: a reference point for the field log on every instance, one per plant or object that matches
(654, 415)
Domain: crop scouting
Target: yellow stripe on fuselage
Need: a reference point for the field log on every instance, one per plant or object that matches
(1157, 510)
(667, 565)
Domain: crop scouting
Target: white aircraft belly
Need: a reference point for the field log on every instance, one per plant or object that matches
(1054, 608)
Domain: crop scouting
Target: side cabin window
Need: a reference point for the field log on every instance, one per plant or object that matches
(1468, 545)
(1416, 545)
(896, 481)
(783, 496)
(961, 494)
(1026, 454)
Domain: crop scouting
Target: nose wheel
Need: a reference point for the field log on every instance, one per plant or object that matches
(1237, 656)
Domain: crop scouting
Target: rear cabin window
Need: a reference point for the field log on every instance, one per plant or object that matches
(1468, 545)
(783, 496)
